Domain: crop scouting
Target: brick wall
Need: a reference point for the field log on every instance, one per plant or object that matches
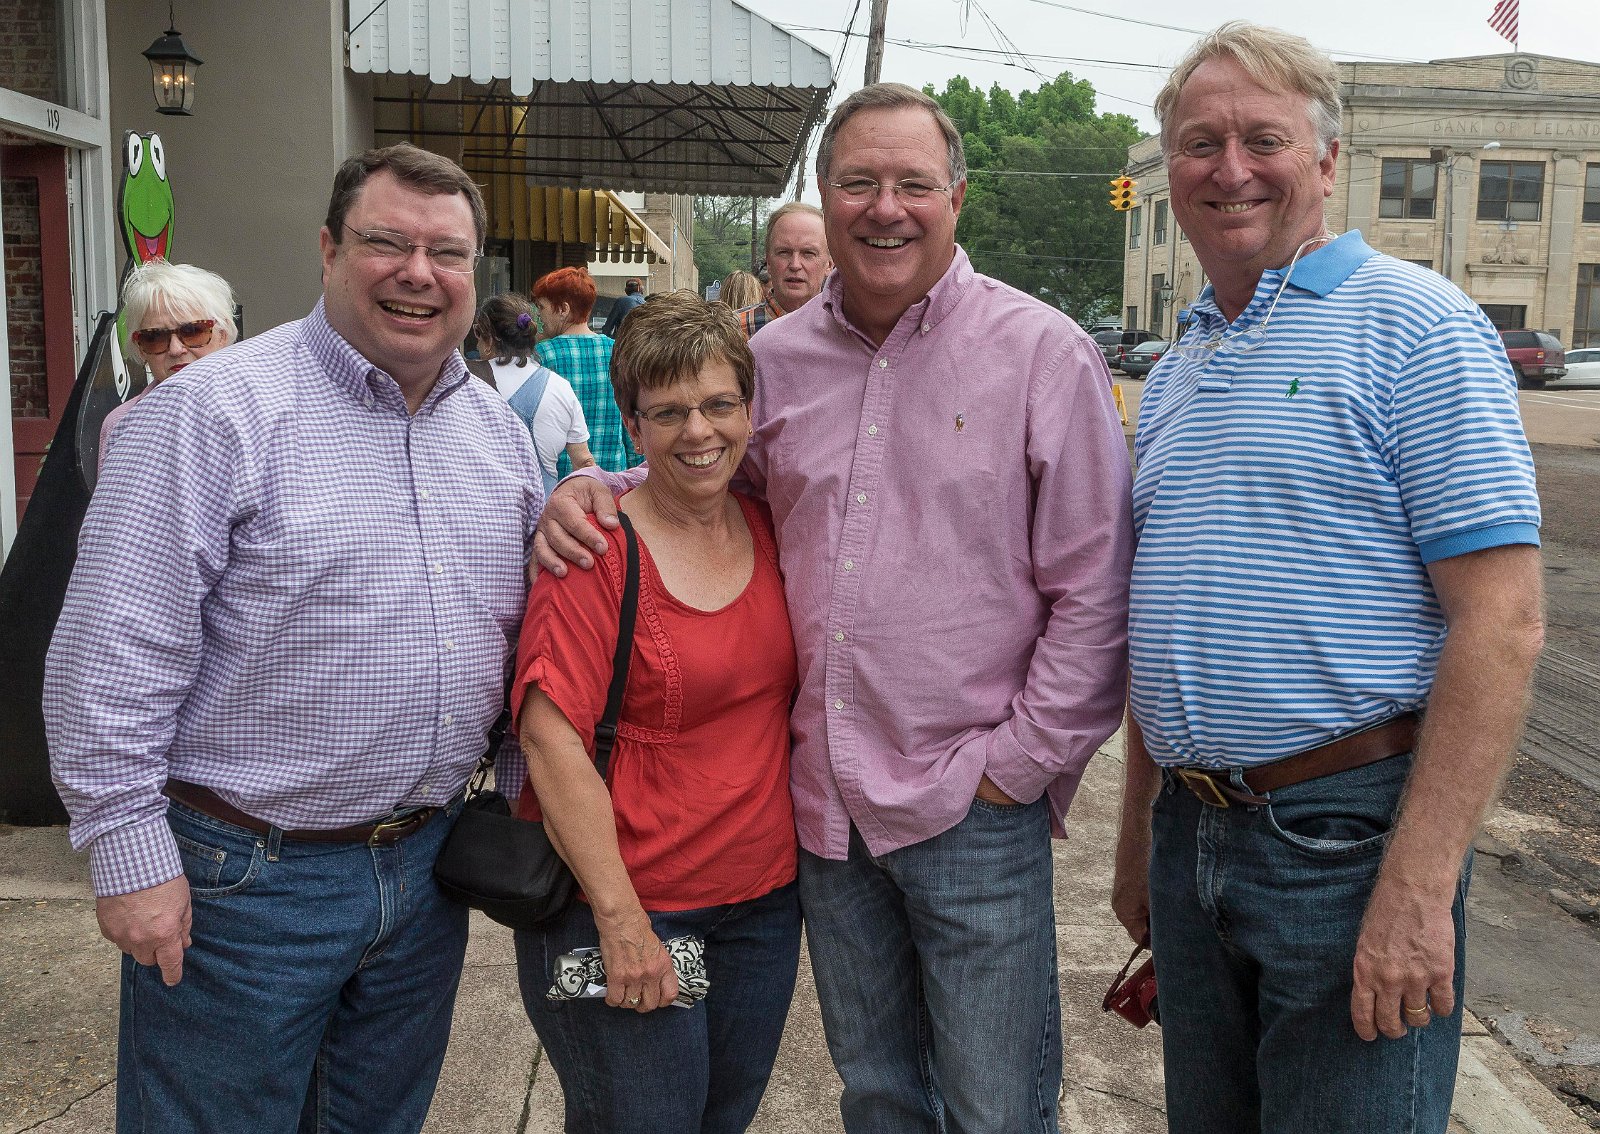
(28, 60)
(19, 224)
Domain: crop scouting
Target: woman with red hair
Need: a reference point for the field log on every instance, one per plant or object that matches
(565, 297)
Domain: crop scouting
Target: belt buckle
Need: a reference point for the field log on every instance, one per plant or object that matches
(393, 830)
(1210, 793)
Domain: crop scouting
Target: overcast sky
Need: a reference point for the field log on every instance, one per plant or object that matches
(1125, 60)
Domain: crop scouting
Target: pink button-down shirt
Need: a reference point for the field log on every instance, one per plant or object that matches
(954, 527)
(954, 524)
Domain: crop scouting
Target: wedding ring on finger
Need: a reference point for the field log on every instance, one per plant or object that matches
(1415, 1013)
(633, 1001)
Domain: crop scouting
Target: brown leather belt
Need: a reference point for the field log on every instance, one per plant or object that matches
(380, 833)
(1381, 741)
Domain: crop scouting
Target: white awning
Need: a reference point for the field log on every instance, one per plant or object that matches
(689, 96)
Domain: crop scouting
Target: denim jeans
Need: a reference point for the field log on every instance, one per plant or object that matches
(317, 995)
(1255, 912)
(936, 968)
(697, 1070)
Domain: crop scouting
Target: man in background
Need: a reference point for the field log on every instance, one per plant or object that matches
(797, 263)
(619, 310)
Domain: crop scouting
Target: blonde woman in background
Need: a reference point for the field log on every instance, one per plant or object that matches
(741, 290)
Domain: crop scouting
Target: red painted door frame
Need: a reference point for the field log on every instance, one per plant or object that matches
(30, 436)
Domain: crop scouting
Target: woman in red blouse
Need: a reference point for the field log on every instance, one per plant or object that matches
(694, 833)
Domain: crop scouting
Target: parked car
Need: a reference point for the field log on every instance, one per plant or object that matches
(1110, 323)
(1114, 343)
(1535, 356)
(1583, 364)
(1141, 359)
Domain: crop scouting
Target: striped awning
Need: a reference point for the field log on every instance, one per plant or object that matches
(593, 218)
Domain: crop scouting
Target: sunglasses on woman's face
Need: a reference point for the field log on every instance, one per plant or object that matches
(155, 340)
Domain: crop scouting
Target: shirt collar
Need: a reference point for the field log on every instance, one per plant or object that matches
(1320, 271)
(358, 379)
(940, 301)
(1323, 269)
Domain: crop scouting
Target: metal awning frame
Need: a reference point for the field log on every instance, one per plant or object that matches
(709, 115)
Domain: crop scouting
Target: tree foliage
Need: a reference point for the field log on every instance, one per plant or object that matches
(722, 235)
(1053, 237)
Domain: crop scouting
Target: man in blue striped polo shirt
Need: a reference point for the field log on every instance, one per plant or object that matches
(1335, 615)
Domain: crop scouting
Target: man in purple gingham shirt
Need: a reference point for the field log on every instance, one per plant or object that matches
(296, 591)
(950, 488)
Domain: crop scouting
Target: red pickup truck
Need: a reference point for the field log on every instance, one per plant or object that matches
(1535, 356)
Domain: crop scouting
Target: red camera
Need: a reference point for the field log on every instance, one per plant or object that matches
(1133, 997)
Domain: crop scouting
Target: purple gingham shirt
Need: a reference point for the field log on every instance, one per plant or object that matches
(291, 591)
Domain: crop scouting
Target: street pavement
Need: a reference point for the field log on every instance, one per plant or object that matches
(58, 990)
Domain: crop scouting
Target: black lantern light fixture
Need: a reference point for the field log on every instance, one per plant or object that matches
(172, 68)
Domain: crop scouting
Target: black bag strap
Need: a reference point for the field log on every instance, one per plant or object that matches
(605, 733)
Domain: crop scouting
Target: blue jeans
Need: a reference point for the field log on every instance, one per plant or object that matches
(1255, 912)
(936, 968)
(317, 995)
(697, 1070)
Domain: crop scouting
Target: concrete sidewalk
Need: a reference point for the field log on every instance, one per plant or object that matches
(58, 1013)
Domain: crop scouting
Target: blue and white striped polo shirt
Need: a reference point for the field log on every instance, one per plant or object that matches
(1291, 488)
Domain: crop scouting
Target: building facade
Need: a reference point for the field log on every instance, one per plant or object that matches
(1485, 169)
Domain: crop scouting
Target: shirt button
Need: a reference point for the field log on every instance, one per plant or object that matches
(438, 568)
(449, 718)
(872, 431)
(926, 327)
(861, 498)
(838, 635)
(449, 643)
(882, 362)
(426, 495)
(838, 704)
(849, 564)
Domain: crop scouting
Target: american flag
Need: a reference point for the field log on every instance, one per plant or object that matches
(1504, 19)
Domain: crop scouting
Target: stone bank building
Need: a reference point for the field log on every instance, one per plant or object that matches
(1485, 169)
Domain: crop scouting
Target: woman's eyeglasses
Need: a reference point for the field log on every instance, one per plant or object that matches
(155, 340)
(719, 408)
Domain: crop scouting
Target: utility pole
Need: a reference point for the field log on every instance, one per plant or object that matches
(880, 12)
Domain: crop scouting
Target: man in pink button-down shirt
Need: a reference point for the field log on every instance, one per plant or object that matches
(950, 487)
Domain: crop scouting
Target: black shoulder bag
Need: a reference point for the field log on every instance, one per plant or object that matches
(505, 866)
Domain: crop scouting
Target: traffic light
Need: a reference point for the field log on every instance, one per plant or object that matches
(1123, 191)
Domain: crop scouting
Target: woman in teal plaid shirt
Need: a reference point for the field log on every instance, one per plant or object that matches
(565, 297)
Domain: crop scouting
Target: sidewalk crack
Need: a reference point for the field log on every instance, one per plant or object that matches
(67, 1108)
(1152, 1107)
(527, 1095)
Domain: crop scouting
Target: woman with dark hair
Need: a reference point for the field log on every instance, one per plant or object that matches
(565, 297)
(692, 834)
(544, 400)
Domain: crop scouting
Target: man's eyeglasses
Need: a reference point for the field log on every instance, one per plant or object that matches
(155, 340)
(455, 258)
(719, 408)
(859, 190)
